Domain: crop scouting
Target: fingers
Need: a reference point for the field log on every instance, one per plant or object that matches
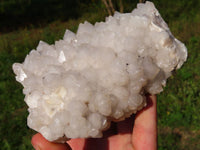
(77, 144)
(145, 127)
(40, 143)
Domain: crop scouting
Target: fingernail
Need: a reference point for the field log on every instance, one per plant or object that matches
(36, 147)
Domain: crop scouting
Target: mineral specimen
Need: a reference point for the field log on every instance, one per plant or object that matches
(76, 87)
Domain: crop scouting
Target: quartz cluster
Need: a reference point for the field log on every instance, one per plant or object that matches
(77, 86)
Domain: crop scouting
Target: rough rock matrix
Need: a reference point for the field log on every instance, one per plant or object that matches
(76, 87)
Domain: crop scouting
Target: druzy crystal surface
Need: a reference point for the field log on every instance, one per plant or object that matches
(77, 86)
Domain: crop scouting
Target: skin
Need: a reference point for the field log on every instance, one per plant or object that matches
(135, 133)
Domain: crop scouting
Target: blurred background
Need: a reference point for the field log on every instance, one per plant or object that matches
(23, 23)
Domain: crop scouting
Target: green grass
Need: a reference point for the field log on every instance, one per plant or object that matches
(178, 105)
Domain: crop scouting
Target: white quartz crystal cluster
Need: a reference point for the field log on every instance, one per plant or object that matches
(77, 86)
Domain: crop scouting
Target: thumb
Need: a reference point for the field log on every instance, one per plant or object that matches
(145, 127)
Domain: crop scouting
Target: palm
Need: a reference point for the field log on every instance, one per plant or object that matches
(120, 136)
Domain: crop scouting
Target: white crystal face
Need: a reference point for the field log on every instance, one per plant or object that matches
(76, 87)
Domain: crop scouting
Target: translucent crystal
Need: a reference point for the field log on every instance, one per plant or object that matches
(76, 87)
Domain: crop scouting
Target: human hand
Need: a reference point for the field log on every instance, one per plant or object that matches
(121, 135)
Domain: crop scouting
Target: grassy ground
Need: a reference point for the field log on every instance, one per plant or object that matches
(178, 105)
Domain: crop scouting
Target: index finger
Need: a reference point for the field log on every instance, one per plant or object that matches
(40, 143)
